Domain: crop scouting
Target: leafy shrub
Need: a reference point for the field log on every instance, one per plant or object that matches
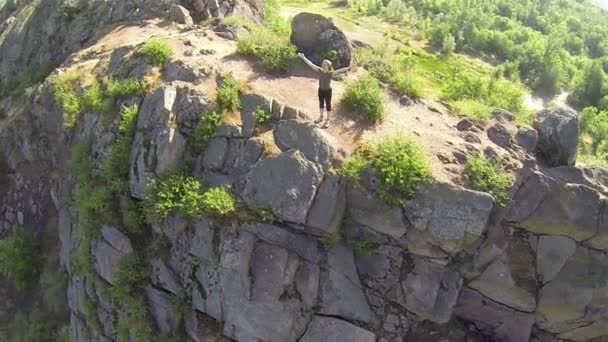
(407, 84)
(96, 100)
(228, 94)
(401, 167)
(329, 242)
(65, 89)
(122, 88)
(19, 259)
(448, 45)
(489, 176)
(174, 193)
(399, 163)
(261, 116)
(157, 51)
(115, 168)
(273, 49)
(33, 327)
(352, 167)
(132, 273)
(594, 133)
(366, 97)
(206, 127)
(219, 201)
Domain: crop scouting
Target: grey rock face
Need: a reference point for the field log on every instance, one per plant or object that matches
(286, 183)
(370, 211)
(499, 321)
(327, 329)
(306, 137)
(108, 252)
(162, 311)
(341, 289)
(180, 71)
(552, 254)
(450, 214)
(313, 34)
(329, 206)
(164, 278)
(180, 14)
(431, 290)
(496, 282)
(249, 104)
(571, 305)
(302, 245)
(158, 146)
(267, 270)
(558, 136)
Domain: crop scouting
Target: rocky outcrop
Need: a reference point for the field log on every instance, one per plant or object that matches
(558, 136)
(317, 37)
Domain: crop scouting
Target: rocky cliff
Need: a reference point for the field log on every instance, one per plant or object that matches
(448, 265)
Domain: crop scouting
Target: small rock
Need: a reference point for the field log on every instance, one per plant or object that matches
(461, 157)
(181, 15)
(490, 153)
(464, 125)
(188, 42)
(527, 138)
(406, 100)
(444, 158)
(207, 52)
(471, 138)
(188, 53)
(500, 135)
(503, 115)
(434, 109)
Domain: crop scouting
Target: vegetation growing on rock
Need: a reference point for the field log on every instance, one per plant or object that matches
(175, 193)
(219, 201)
(19, 259)
(489, 176)
(157, 51)
(366, 98)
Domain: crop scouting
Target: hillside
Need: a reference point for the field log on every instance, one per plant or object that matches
(162, 178)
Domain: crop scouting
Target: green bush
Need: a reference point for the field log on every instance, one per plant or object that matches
(132, 273)
(261, 116)
(19, 259)
(273, 49)
(489, 176)
(174, 193)
(594, 134)
(407, 84)
(157, 51)
(65, 89)
(228, 94)
(400, 165)
(96, 100)
(32, 327)
(352, 167)
(366, 97)
(205, 129)
(219, 201)
(123, 88)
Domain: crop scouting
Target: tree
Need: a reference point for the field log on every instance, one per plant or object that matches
(449, 45)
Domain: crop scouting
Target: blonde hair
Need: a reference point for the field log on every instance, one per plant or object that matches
(327, 65)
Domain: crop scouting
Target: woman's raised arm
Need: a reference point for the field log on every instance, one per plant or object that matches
(307, 61)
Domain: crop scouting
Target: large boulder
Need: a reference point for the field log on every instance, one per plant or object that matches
(558, 136)
(341, 290)
(286, 183)
(499, 321)
(450, 216)
(431, 290)
(327, 211)
(158, 146)
(180, 15)
(573, 303)
(316, 36)
(306, 137)
(368, 210)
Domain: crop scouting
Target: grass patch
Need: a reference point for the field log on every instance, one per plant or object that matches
(228, 94)
(261, 116)
(19, 259)
(399, 163)
(157, 51)
(219, 201)
(65, 89)
(329, 242)
(366, 97)
(489, 176)
(124, 88)
(206, 127)
(174, 193)
(273, 49)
